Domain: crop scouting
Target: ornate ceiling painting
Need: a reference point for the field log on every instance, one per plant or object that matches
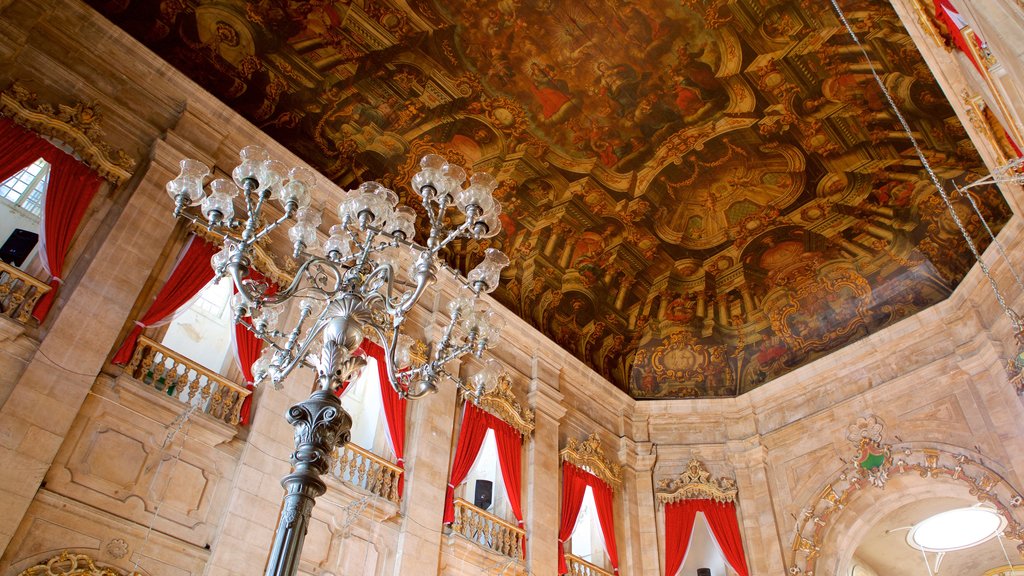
(699, 195)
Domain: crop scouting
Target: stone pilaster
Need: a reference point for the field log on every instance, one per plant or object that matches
(639, 550)
(762, 544)
(86, 321)
(543, 493)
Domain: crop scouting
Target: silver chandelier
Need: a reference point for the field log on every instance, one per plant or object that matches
(357, 285)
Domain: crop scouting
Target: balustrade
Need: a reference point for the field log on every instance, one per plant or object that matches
(363, 469)
(19, 293)
(488, 530)
(579, 567)
(178, 377)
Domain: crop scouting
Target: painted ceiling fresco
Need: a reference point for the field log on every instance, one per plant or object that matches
(699, 195)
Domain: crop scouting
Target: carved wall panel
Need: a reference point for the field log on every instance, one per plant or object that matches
(115, 459)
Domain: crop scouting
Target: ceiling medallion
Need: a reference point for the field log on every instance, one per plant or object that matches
(696, 483)
(589, 455)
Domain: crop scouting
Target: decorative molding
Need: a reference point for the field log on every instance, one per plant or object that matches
(589, 455)
(501, 402)
(68, 563)
(79, 126)
(696, 483)
(873, 464)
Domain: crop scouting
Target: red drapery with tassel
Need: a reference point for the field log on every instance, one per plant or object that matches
(471, 438)
(71, 188)
(190, 275)
(721, 518)
(510, 452)
(574, 487)
(248, 348)
(394, 408)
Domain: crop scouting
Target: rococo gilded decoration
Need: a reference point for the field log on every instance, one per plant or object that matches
(68, 563)
(501, 402)
(79, 126)
(701, 195)
(872, 464)
(696, 483)
(589, 455)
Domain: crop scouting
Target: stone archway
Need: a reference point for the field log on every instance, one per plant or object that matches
(827, 527)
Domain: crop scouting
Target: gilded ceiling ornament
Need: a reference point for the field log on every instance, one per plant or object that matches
(589, 455)
(68, 563)
(501, 402)
(79, 126)
(696, 483)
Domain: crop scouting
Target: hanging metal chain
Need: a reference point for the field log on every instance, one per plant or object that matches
(1015, 320)
(999, 245)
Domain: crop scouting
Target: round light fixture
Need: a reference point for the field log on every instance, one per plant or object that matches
(956, 529)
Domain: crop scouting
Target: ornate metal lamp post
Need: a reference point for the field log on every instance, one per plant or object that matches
(354, 288)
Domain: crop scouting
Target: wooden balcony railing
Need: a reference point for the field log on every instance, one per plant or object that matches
(178, 377)
(488, 530)
(579, 567)
(363, 469)
(19, 293)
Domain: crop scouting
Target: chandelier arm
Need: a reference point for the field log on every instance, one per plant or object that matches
(294, 287)
(299, 356)
(389, 356)
(455, 233)
(288, 212)
(428, 205)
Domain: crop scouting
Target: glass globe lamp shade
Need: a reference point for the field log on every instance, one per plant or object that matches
(272, 176)
(306, 222)
(486, 275)
(490, 224)
(403, 351)
(429, 174)
(451, 180)
(402, 223)
(253, 158)
(299, 187)
(189, 182)
(219, 205)
(487, 376)
(338, 246)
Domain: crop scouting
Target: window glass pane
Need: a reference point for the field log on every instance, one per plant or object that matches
(27, 187)
(487, 467)
(202, 333)
(587, 541)
(363, 403)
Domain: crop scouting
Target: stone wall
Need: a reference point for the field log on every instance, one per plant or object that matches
(95, 463)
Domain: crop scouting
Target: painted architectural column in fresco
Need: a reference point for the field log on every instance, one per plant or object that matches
(543, 494)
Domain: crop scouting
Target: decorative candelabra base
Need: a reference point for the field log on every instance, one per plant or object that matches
(321, 425)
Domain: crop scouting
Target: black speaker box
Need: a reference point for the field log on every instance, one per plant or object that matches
(703, 571)
(18, 246)
(483, 493)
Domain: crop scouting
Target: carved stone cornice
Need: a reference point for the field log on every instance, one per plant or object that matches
(501, 402)
(68, 563)
(261, 259)
(78, 126)
(696, 483)
(589, 455)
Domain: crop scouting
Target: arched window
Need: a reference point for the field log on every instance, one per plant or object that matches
(26, 188)
(484, 486)
(703, 551)
(587, 541)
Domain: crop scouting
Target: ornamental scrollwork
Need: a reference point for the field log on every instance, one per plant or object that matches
(67, 563)
(78, 126)
(589, 455)
(873, 463)
(696, 483)
(501, 402)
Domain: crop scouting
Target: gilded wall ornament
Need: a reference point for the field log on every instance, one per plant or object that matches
(501, 402)
(696, 482)
(67, 563)
(589, 455)
(79, 126)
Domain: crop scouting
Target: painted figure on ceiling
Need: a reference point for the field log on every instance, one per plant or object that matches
(550, 91)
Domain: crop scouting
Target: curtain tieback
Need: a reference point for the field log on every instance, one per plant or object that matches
(400, 461)
(452, 486)
(140, 324)
(57, 279)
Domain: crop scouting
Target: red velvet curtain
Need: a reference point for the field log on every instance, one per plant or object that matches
(190, 274)
(603, 501)
(679, 518)
(394, 407)
(18, 148)
(721, 518)
(68, 194)
(247, 350)
(951, 19)
(574, 486)
(471, 438)
(510, 455)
